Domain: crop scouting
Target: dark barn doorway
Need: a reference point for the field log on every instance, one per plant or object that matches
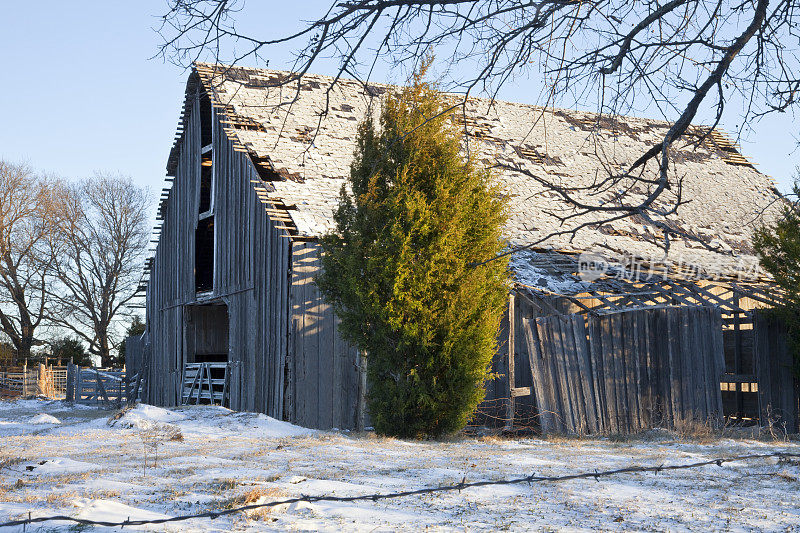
(206, 335)
(206, 354)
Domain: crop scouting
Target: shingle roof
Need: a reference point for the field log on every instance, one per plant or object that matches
(308, 152)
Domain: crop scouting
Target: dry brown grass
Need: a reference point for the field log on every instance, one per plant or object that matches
(701, 431)
(8, 461)
(491, 439)
(255, 495)
(63, 479)
(60, 498)
(224, 485)
(116, 415)
(103, 494)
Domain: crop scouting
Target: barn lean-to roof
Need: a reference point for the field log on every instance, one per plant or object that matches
(301, 137)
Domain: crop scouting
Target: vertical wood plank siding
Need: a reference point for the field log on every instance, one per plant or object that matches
(626, 371)
(492, 410)
(288, 360)
(778, 387)
(324, 386)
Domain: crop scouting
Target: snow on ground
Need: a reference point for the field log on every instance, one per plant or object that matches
(152, 462)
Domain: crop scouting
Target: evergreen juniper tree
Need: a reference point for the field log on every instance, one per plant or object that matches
(401, 269)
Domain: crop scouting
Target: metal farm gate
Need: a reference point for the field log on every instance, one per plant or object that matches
(107, 388)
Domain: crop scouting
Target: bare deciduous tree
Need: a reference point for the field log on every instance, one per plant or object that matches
(679, 57)
(29, 219)
(100, 259)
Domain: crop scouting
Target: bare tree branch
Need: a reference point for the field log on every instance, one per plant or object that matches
(681, 57)
(29, 218)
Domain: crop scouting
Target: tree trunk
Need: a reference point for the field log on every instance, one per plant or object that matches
(104, 351)
(23, 347)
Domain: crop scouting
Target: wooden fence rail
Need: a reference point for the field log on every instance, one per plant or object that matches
(39, 380)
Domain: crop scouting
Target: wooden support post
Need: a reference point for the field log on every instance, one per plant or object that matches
(224, 401)
(78, 384)
(510, 359)
(200, 372)
(361, 406)
(120, 389)
(136, 385)
(41, 384)
(70, 393)
(737, 358)
(100, 389)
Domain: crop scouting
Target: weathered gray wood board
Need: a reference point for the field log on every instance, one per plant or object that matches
(134, 352)
(323, 367)
(103, 387)
(777, 384)
(626, 371)
(205, 382)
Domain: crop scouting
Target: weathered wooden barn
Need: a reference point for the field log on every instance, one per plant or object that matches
(254, 175)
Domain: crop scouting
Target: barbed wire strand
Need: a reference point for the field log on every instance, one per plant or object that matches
(463, 484)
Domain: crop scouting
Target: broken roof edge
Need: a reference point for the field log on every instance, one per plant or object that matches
(570, 272)
(718, 135)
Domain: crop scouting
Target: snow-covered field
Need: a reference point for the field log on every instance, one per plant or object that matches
(150, 463)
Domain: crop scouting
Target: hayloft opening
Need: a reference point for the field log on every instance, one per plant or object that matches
(204, 255)
(206, 182)
(205, 119)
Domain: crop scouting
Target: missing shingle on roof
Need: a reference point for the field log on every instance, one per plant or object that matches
(239, 122)
(258, 82)
(310, 85)
(529, 152)
(264, 168)
(689, 155)
(375, 90)
(296, 177)
(603, 124)
(304, 135)
(472, 126)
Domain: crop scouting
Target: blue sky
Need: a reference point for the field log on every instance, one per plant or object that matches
(81, 94)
